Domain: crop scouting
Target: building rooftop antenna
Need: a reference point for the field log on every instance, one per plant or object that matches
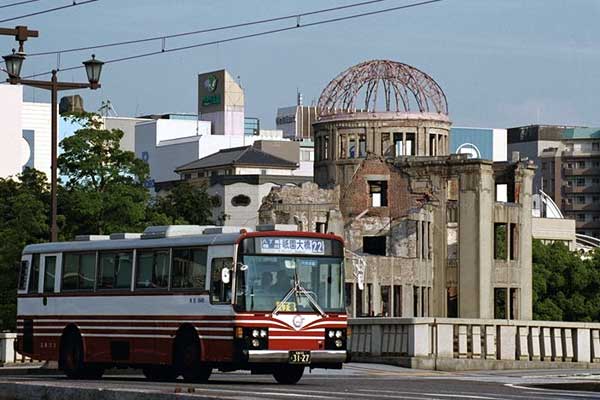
(107, 110)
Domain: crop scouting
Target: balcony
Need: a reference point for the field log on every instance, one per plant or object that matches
(581, 189)
(581, 171)
(582, 207)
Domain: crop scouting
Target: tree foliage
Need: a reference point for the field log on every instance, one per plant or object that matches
(104, 190)
(187, 203)
(24, 212)
(566, 287)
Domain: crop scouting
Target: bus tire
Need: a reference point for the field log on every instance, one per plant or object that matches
(71, 355)
(160, 373)
(187, 357)
(288, 374)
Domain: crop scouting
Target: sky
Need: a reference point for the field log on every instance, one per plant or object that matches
(501, 63)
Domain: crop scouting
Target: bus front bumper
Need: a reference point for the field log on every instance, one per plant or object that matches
(283, 356)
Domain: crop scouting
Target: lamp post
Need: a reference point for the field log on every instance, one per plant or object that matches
(93, 68)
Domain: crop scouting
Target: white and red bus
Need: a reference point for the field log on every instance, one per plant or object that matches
(183, 300)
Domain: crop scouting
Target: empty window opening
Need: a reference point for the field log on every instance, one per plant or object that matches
(352, 147)
(410, 144)
(514, 241)
(432, 145)
(398, 144)
(359, 302)
(321, 227)
(326, 147)
(502, 192)
(343, 146)
(348, 297)
(500, 303)
(385, 144)
(385, 301)
(514, 303)
(500, 241)
(452, 302)
(374, 245)
(370, 299)
(416, 301)
(378, 193)
(362, 146)
(397, 301)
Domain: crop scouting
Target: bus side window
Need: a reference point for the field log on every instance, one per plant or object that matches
(220, 292)
(79, 271)
(114, 270)
(23, 274)
(152, 269)
(34, 277)
(49, 272)
(189, 269)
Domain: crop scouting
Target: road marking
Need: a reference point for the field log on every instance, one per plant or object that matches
(554, 391)
(464, 396)
(261, 393)
(348, 394)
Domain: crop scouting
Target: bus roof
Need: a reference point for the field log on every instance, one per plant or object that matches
(124, 244)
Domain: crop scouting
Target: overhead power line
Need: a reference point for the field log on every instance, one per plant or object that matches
(196, 32)
(18, 3)
(251, 35)
(74, 4)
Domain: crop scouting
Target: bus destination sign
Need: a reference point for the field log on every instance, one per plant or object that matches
(277, 245)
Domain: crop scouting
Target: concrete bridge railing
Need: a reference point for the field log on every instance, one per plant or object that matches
(447, 343)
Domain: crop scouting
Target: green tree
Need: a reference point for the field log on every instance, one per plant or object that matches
(566, 287)
(24, 209)
(104, 191)
(187, 204)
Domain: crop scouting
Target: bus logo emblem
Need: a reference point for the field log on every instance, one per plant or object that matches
(297, 321)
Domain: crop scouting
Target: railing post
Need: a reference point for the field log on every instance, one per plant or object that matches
(462, 341)
(546, 344)
(583, 350)
(7, 353)
(557, 350)
(522, 343)
(490, 343)
(567, 338)
(445, 341)
(507, 336)
(419, 340)
(534, 343)
(476, 341)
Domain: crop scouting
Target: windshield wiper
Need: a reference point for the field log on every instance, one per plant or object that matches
(297, 288)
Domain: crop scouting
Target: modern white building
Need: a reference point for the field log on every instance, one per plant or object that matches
(483, 143)
(25, 133)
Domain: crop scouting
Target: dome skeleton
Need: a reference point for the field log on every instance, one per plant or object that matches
(401, 85)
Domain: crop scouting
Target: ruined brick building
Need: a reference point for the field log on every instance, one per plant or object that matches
(433, 237)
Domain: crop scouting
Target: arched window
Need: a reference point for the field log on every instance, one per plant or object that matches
(241, 200)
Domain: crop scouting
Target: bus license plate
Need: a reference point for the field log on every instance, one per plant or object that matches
(300, 357)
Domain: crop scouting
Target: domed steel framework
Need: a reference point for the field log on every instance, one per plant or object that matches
(400, 85)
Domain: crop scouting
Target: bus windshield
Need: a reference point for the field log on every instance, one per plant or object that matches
(264, 282)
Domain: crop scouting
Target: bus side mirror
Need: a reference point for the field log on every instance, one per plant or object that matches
(225, 275)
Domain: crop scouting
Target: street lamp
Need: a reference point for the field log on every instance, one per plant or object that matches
(14, 62)
(93, 68)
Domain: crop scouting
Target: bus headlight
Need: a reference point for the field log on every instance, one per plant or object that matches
(255, 343)
(255, 333)
(335, 339)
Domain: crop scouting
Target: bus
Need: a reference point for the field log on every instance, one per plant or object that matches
(184, 300)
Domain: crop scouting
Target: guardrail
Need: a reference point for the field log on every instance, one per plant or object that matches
(475, 339)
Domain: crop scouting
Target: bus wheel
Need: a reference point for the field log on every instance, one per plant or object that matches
(288, 374)
(187, 358)
(71, 356)
(160, 373)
